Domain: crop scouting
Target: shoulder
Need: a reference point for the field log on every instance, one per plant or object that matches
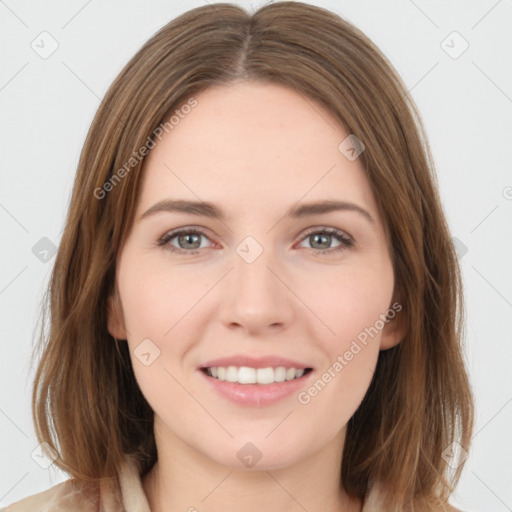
(63, 497)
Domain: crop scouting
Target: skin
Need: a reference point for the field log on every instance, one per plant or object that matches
(254, 150)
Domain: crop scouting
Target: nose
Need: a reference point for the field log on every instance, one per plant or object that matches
(256, 296)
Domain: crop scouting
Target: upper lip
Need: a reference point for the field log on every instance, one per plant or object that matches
(254, 362)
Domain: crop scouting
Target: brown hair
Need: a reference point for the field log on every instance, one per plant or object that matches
(86, 402)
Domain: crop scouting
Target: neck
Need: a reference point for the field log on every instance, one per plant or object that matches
(183, 479)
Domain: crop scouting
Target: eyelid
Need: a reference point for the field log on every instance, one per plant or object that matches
(327, 229)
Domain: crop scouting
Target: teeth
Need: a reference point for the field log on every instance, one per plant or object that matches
(231, 374)
(246, 375)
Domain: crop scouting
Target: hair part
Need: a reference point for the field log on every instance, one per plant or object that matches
(86, 402)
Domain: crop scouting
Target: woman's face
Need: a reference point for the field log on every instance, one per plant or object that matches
(257, 281)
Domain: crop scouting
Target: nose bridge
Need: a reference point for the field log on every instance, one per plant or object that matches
(253, 281)
(257, 299)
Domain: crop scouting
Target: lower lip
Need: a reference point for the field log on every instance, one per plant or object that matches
(256, 394)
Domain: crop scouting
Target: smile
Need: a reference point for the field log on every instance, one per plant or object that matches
(266, 386)
(248, 375)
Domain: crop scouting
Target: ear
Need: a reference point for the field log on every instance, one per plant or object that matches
(115, 317)
(395, 328)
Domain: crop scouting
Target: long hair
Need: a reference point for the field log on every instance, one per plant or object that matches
(86, 403)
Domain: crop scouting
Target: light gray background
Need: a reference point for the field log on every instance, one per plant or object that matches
(466, 103)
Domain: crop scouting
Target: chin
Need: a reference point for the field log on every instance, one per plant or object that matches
(257, 455)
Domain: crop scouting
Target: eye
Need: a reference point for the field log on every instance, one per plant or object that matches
(188, 240)
(322, 239)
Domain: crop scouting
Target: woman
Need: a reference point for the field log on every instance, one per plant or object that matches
(304, 352)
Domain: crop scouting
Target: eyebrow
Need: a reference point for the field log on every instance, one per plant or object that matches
(206, 209)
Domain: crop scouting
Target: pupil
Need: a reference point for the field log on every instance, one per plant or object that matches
(326, 238)
(190, 239)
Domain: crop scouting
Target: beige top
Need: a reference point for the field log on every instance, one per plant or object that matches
(122, 494)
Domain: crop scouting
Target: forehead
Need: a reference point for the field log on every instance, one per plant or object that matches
(252, 146)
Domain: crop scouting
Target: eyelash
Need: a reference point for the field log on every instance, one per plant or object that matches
(346, 241)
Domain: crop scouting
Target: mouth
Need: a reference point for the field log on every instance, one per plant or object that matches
(256, 380)
(261, 376)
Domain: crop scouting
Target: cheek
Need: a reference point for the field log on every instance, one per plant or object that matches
(155, 299)
(158, 306)
(351, 302)
(353, 307)
(352, 310)
(153, 306)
